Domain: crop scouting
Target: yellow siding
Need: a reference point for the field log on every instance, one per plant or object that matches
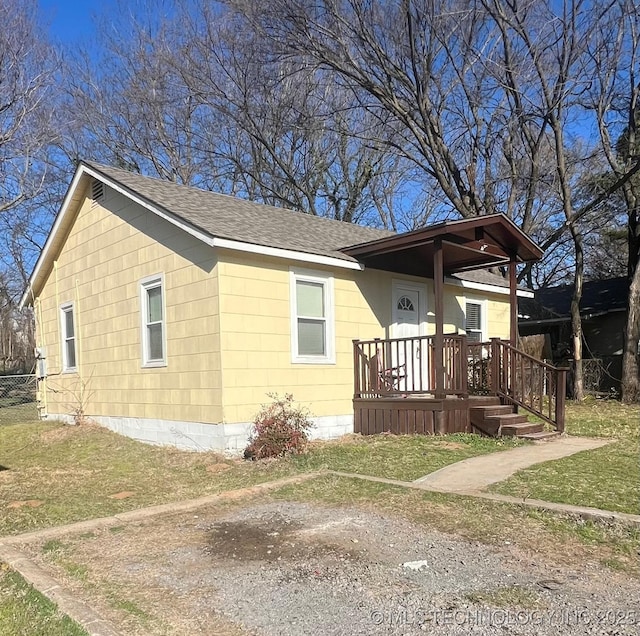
(498, 322)
(228, 323)
(111, 247)
(255, 325)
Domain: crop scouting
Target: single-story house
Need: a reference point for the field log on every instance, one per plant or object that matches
(169, 314)
(603, 309)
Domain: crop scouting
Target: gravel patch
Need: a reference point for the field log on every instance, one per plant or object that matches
(291, 569)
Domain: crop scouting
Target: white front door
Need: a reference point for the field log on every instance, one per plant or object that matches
(408, 321)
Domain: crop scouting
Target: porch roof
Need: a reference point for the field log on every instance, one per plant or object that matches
(479, 242)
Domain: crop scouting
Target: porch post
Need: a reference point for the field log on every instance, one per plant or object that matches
(513, 302)
(438, 289)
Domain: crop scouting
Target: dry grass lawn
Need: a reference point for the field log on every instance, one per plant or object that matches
(56, 474)
(606, 478)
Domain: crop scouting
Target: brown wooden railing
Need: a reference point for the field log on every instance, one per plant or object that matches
(406, 366)
(479, 368)
(519, 378)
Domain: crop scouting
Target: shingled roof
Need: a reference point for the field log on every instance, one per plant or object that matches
(228, 217)
(217, 217)
(598, 297)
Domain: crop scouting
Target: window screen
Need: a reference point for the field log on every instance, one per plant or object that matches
(473, 322)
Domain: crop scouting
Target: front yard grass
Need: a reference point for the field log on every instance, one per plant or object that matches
(24, 611)
(404, 457)
(607, 477)
(57, 474)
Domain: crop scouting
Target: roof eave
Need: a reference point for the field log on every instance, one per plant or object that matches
(48, 253)
(46, 256)
(584, 315)
(487, 287)
(53, 234)
(430, 233)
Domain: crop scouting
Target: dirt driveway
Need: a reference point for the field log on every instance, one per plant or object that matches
(285, 568)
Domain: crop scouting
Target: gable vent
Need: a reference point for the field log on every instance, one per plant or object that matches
(97, 191)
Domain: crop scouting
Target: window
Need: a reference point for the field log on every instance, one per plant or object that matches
(153, 322)
(68, 337)
(312, 318)
(474, 317)
(405, 304)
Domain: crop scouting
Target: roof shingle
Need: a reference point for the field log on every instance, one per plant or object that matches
(598, 297)
(228, 217)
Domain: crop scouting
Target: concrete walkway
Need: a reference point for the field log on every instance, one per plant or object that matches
(476, 473)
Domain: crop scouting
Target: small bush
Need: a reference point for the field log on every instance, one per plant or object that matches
(280, 428)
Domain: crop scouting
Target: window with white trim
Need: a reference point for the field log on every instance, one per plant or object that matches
(68, 329)
(153, 322)
(312, 326)
(474, 321)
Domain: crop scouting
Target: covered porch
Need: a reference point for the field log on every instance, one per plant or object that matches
(444, 383)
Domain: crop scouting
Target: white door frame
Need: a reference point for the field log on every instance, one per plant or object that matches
(415, 371)
(421, 289)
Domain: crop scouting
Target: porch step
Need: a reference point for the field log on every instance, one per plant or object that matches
(520, 429)
(477, 401)
(492, 410)
(498, 420)
(508, 419)
(541, 436)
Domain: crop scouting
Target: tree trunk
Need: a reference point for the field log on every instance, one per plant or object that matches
(576, 320)
(630, 379)
(630, 384)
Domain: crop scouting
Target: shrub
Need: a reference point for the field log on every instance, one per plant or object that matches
(280, 428)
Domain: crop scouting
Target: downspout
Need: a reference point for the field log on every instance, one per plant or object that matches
(37, 306)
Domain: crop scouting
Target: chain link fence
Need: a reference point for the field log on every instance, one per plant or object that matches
(18, 399)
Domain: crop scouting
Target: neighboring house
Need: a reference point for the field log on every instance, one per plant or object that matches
(170, 314)
(603, 309)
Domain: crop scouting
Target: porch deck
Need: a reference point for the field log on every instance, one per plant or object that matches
(483, 386)
(417, 414)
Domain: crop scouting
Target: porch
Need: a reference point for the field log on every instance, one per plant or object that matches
(485, 386)
(447, 383)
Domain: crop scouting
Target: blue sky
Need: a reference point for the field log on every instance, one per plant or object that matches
(71, 20)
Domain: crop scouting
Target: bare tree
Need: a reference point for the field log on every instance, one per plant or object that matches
(128, 105)
(485, 95)
(614, 99)
(27, 83)
(395, 64)
(299, 139)
(551, 46)
(189, 95)
(29, 132)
